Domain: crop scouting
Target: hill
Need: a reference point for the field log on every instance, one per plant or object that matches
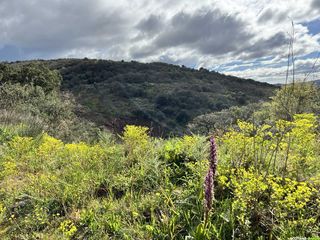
(162, 96)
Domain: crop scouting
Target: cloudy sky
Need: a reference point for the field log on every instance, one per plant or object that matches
(246, 38)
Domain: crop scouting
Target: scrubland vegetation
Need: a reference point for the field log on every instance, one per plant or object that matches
(63, 178)
(164, 97)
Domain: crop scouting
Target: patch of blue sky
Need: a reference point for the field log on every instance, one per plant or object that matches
(314, 54)
(313, 26)
(11, 53)
(244, 65)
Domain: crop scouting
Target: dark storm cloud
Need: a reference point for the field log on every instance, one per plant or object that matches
(151, 25)
(316, 4)
(212, 33)
(209, 32)
(55, 26)
(264, 47)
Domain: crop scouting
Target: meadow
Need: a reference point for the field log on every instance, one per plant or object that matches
(55, 184)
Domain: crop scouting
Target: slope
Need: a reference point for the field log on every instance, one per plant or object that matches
(162, 96)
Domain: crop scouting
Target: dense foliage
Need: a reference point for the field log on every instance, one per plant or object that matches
(31, 102)
(162, 96)
(292, 99)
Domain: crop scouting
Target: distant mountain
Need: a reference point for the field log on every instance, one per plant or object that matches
(162, 96)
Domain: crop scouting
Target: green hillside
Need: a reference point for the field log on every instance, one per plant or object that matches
(162, 96)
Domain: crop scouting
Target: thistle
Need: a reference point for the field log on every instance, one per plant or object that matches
(209, 179)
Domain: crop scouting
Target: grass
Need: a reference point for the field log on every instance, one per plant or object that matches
(149, 188)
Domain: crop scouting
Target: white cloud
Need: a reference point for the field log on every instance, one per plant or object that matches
(207, 33)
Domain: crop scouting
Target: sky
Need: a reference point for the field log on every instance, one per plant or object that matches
(245, 38)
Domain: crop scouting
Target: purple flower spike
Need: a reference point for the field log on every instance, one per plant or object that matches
(209, 179)
(208, 190)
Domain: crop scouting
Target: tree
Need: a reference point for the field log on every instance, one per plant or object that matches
(40, 75)
(36, 74)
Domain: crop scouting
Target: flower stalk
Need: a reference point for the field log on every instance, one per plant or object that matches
(210, 177)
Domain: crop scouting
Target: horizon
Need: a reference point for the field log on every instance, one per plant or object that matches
(247, 39)
(130, 61)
